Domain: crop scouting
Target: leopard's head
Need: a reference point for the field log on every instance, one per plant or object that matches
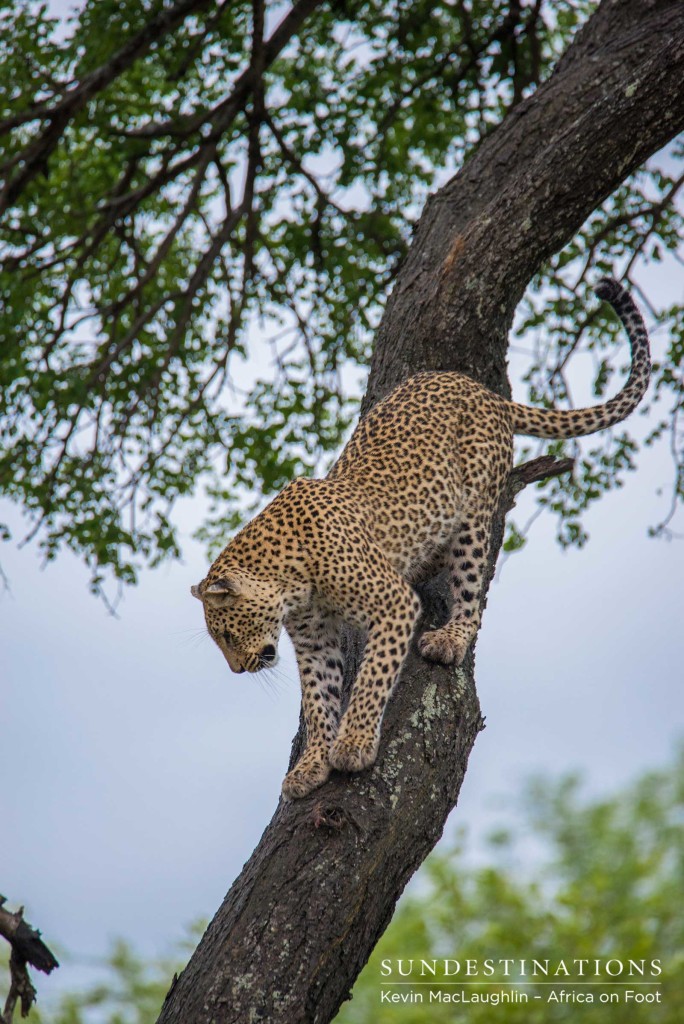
(244, 616)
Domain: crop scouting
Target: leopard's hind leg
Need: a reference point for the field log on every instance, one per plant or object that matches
(466, 563)
(484, 446)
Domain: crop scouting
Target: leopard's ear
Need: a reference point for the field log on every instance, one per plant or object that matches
(195, 591)
(226, 586)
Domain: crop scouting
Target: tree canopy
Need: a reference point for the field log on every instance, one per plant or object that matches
(203, 211)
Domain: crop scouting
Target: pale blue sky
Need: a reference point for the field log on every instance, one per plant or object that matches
(139, 774)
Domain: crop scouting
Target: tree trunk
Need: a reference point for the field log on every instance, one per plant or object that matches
(302, 918)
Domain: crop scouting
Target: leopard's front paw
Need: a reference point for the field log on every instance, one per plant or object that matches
(353, 753)
(443, 646)
(307, 775)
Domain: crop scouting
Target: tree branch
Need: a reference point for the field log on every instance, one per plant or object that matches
(223, 114)
(36, 154)
(27, 948)
(541, 468)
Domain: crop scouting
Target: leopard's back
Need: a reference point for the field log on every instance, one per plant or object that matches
(438, 445)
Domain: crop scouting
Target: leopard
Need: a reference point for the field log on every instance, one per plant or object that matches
(414, 492)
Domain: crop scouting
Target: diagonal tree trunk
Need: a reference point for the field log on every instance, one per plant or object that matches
(301, 920)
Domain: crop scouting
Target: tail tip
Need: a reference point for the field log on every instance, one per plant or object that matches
(608, 289)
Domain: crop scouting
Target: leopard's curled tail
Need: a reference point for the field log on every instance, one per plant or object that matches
(559, 423)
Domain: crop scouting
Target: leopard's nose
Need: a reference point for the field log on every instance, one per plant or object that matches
(268, 653)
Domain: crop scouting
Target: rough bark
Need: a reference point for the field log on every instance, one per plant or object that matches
(301, 920)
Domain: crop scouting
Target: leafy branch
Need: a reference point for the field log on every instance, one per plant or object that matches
(204, 212)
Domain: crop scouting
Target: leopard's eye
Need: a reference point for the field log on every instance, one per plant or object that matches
(229, 638)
